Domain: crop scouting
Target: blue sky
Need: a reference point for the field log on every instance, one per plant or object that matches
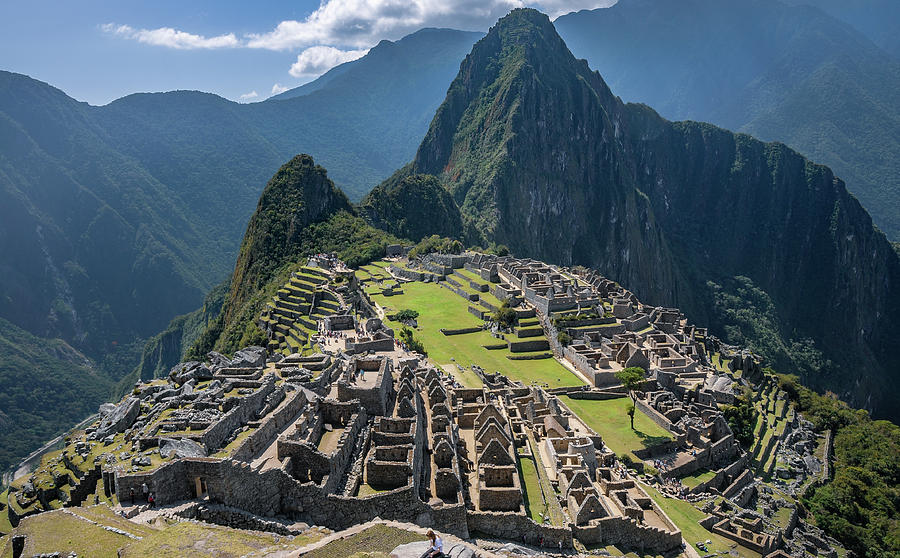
(100, 50)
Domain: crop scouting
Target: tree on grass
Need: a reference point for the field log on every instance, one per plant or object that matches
(632, 378)
(412, 344)
(406, 315)
(505, 315)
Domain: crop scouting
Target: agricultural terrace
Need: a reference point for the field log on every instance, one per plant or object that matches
(442, 308)
(610, 419)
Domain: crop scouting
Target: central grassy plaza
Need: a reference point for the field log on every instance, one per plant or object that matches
(438, 308)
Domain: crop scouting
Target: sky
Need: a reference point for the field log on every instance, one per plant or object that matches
(99, 50)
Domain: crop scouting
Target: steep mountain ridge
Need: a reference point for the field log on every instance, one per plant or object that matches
(789, 73)
(542, 157)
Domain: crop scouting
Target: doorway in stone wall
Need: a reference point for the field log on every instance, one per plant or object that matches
(200, 487)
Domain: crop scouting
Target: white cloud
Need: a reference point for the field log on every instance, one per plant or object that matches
(361, 23)
(172, 38)
(319, 59)
(277, 89)
(353, 25)
(247, 96)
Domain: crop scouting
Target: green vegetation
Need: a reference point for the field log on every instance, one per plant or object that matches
(300, 213)
(435, 243)
(505, 315)
(374, 540)
(441, 308)
(58, 531)
(741, 418)
(47, 388)
(406, 315)
(413, 206)
(213, 541)
(697, 478)
(609, 419)
(632, 378)
(861, 505)
(412, 344)
(534, 500)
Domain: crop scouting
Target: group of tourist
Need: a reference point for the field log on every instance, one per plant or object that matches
(673, 487)
(148, 496)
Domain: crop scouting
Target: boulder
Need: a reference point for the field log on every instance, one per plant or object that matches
(171, 447)
(410, 550)
(250, 357)
(120, 418)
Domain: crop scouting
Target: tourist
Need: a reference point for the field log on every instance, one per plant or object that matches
(145, 490)
(151, 500)
(436, 550)
(132, 495)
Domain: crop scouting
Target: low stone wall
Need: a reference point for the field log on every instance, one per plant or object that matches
(478, 313)
(517, 527)
(530, 357)
(529, 346)
(461, 331)
(656, 417)
(596, 395)
(587, 322)
(627, 532)
(236, 519)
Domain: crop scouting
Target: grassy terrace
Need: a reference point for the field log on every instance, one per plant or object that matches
(610, 420)
(375, 542)
(441, 308)
(697, 478)
(686, 517)
(534, 501)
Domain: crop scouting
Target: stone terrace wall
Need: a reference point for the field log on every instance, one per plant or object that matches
(517, 527)
(627, 532)
(239, 416)
(263, 436)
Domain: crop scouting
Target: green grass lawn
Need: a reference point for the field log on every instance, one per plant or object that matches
(534, 501)
(441, 308)
(698, 478)
(58, 531)
(203, 540)
(686, 517)
(377, 540)
(5, 527)
(610, 420)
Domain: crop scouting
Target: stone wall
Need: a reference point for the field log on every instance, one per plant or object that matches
(270, 427)
(529, 346)
(243, 412)
(517, 527)
(627, 532)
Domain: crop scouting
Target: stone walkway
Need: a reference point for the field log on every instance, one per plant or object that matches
(146, 514)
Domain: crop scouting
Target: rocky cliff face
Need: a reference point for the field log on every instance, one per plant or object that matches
(542, 157)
